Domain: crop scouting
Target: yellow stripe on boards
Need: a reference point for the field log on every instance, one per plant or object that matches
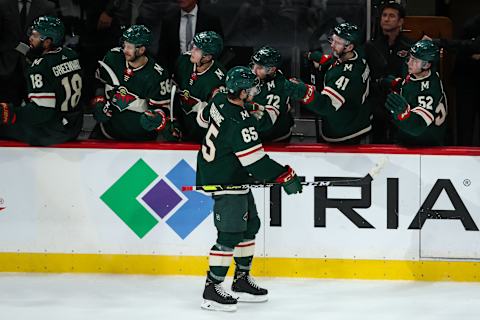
(268, 267)
(103, 263)
(372, 269)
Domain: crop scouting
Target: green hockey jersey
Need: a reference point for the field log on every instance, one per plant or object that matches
(195, 89)
(130, 93)
(231, 152)
(424, 124)
(274, 96)
(51, 114)
(343, 102)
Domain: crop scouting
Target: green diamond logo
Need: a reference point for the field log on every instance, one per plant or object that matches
(121, 198)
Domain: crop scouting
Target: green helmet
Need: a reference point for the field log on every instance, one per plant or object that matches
(209, 42)
(267, 57)
(49, 27)
(138, 35)
(239, 78)
(349, 32)
(425, 50)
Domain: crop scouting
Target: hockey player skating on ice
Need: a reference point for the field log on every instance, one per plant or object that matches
(342, 101)
(198, 77)
(419, 110)
(135, 102)
(232, 153)
(50, 115)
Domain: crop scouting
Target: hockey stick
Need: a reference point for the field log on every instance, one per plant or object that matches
(172, 98)
(324, 183)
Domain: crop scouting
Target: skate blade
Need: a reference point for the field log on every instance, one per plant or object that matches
(247, 297)
(215, 306)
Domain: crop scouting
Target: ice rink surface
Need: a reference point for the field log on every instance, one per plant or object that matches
(122, 297)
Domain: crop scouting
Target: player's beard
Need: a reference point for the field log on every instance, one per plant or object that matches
(133, 59)
(203, 61)
(341, 55)
(338, 55)
(269, 76)
(36, 51)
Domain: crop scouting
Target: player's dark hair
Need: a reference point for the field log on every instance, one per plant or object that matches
(394, 5)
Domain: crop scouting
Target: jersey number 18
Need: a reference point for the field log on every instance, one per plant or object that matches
(73, 90)
(72, 85)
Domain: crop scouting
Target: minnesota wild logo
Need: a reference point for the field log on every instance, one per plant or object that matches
(187, 99)
(122, 98)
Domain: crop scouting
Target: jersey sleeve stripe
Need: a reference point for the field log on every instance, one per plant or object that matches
(248, 151)
(201, 121)
(108, 88)
(43, 99)
(158, 103)
(274, 110)
(273, 113)
(337, 99)
(427, 116)
(251, 155)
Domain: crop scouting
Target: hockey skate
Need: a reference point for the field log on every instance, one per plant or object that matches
(245, 288)
(215, 298)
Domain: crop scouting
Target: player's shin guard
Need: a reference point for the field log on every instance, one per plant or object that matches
(243, 286)
(214, 295)
(243, 254)
(219, 261)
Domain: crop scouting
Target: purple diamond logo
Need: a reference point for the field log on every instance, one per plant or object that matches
(162, 198)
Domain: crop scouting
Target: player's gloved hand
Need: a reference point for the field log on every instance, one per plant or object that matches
(255, 109)
(391, 83)
(295, 80)
(398, 106)
(101, 109)
(320, 61)
(188, 102)
(290, 181)
(7, 114)
(172, 131)
(23, 48)
(305, 92)
(152, 120)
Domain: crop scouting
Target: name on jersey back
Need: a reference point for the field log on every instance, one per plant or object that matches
(66, 67)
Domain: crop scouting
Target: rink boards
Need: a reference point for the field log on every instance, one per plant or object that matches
(102, 207)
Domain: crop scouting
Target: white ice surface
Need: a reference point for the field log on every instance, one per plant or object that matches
(119, 297)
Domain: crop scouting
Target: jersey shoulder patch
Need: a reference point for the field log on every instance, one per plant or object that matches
(113, 56)
(219, 72)
(160, 71)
